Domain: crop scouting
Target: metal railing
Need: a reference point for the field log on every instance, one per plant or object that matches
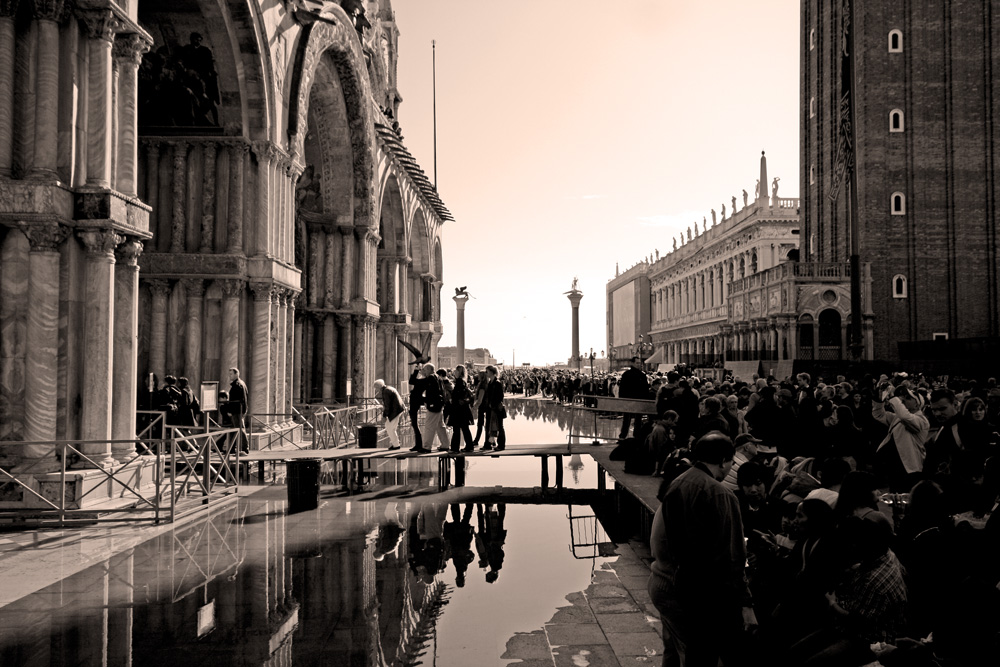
(274, 430)
(154, 483)
(338, 427)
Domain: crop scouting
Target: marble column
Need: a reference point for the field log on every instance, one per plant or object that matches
(208, 198)
(160, 291)
(291, 346)
(195, 289)
(126, 348)
(260, 388)
(42, 346)
(460, 301)
(237, 156)
(101, 25)
(229, 343)
(152, 180)
(346, 265)
(265, 154)
(330, 293)
(128, 52)
(178, 220)
(344, 348)
(277, 294)
(7, 11)
(46, 115)
(314, 279)
(99, 291)
(281, 352)
(574, 297)
(325, 328)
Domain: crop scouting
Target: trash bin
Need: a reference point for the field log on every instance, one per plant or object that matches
(302, 479)
(368, 436)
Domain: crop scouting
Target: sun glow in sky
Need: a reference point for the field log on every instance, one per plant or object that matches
(575, 134)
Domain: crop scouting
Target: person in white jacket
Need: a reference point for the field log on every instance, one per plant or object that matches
(899, 458)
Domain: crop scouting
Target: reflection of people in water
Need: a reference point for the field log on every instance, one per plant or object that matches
(427, 556)
(390, 535)
(458, 537)
(490, 538)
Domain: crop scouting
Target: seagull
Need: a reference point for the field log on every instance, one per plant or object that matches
(421, 355)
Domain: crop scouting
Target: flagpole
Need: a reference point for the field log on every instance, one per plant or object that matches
(857, 342)
(434, 87)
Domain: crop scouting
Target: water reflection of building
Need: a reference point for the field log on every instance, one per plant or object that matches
(255, 587)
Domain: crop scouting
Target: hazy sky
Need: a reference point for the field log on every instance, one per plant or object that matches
(574, 134)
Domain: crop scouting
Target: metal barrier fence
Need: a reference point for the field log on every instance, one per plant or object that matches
(338, 427)
(276, 430)
(163, 480)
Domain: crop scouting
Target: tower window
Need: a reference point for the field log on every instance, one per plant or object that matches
(895, 41)
(812, 107)
(812, 174)
(899, 286)
(812, 39)
(895, 120)
(898, 203)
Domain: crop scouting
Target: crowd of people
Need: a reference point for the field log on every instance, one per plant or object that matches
(803, 522)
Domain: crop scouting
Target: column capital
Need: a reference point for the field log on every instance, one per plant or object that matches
(180, 153)
(402, 329)
(261, 291)
(231, 289)
(159, 287)
(343, 319)
(239, 148)
(99, 241)
(318, 316)
(99, 23)
(194, 287)
(294, 297)
(345, 230)
(47, 10)
(264, 150)
(278, 295)
(8, 8)
(128, 49)
(44, 237)
(127, 252)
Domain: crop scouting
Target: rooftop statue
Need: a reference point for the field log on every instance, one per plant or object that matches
(756, 190)
(734, 205)
(575, 283)
(774, 187)
(675, 244)
(713, 217)
(723, 211)
(744, 198)
(689, 233)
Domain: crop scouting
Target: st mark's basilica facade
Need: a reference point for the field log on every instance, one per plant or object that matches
(188, 186)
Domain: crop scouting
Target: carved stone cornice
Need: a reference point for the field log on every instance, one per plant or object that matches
(100, 23)
(99, 242)
(231, 289)
(159, 287)
(45, 237)
(128, 49)
(128, 251)
(195, 287)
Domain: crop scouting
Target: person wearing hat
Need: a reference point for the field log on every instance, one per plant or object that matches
(899, 458)
(634, 384)
(392, 409)
(697, 581)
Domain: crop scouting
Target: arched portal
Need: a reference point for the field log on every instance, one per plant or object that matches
(391, 271)
(830, 335)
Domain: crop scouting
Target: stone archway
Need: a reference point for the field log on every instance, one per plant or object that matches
(391, 274)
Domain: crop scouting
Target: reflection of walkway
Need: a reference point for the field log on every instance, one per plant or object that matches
(612, 623)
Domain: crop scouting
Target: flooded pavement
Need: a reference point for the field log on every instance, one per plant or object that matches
(362, 580)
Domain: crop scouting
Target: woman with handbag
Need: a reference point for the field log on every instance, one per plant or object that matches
(460, 416)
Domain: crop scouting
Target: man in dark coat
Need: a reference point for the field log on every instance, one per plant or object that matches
(236, 408)
(634, 384)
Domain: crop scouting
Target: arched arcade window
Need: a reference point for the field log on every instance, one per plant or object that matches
(895, 41)
(898, 203)
(899, 286)
(896, 120)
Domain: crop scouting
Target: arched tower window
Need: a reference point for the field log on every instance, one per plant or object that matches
(743, 267)
(812, 39)
(812, 174)
(895, 41)
(898, 203)
(896, 120)
(812, 107)
(753, 262)
(899, 286)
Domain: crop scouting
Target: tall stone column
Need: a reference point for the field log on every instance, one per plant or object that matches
(7, 11)
(195, 289)
(260, 373)
(46, 114)
(229, 344)
(208, 198)
(326, 327)
(460, 301)
(128, 52)
(126, 344)
(281, 352)
(402, 367)
(295, 358)
(178, 220)
(160, 290)
(344, 347)
(574, 297)
(153, 180)
(291, 345)
(99, 292)
(42, 346)
(404, 285)
(101, 26)
(346, 265)
(265, 152)
(237, 156)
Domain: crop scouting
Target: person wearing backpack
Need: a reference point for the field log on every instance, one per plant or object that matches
(433, 399)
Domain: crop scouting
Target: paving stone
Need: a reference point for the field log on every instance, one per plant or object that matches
(577, 599)
(606, 591)
(635, 583)
(636, 643)
(528, 646)
(581, 614)
(641, 596)
(628, 622)
(631, 569)
(613, 606)
(596, 655)
(604, 577)
(531, 663)
(640, 661)
(573, 634)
